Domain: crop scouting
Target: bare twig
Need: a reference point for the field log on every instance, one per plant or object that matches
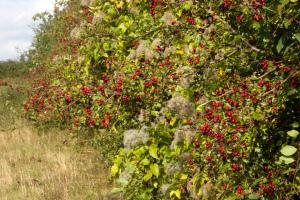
(234, 31)
(269, 72)
(41, 87)
(283, 82)
(229, 92)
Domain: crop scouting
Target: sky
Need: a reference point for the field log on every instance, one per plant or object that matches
(15, 24)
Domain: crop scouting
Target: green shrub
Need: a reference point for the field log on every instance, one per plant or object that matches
(204, 95)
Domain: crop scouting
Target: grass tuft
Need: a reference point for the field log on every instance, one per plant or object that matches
(48, 166)
(44, 165)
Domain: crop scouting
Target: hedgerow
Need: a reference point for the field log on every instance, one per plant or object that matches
(187, 99)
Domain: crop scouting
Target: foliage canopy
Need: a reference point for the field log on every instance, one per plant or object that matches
(194, 99)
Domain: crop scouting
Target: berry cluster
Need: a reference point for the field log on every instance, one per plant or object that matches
(224, 128)
(191, 21)
(257, 5)
(85, 90)
(153, 4)
(226, 4)
(118, 88)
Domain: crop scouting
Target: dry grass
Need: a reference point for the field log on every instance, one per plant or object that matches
(48, 166)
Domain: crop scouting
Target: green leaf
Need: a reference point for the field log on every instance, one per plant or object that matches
(122, 181)
(253, 196)
(118, 160)
(106, 46)
(258, 116)
(111, 11)
(288, 150)
(148, 176)
(292, 92)
(173, 121)
(280, 45)
(183, 176)
(286, 160)
(96, 54)
(179, 13)
(187, 5)
(297, 36)
(293, 133)
(200, 192)
(122, 27)
(145, 161)
(284, 2)
(295, 125)
(287, 23)
(200, 108)
(116, 190)
(153, 151)
(257, 181)
(154, 169)
(177, 193)
(114, 170)
(104, 55)
(293, 1)
(154, 113)
(256, 25)
(180, 52)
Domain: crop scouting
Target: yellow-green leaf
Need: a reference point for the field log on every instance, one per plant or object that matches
(105, 46)
(293, 133)
(177, 193)
(122, 27)
(253, 196)
(145, 161)
(286, 160)
(153, 151)
(183, 176)
(258, 116)
(180, 52)
(148, 176)
(187, 5)
(173, 121)
(280, 45)
(200, 192)
(297, 36)
(154, 169)
(288, 150)
(114, 170)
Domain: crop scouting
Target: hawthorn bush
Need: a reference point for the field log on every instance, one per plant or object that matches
(186, 99)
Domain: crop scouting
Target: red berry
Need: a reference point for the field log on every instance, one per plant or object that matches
(208, 158)
(197, 144)
(105, 78)
(227, 3)
(125, 98)
(265, 64)
(261, 83)
(287, 69)
(235, 167)
(68, 99)
(239, 190)
(239, 18)
(208, 144)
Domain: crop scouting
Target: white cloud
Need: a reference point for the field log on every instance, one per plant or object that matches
(15, 22)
